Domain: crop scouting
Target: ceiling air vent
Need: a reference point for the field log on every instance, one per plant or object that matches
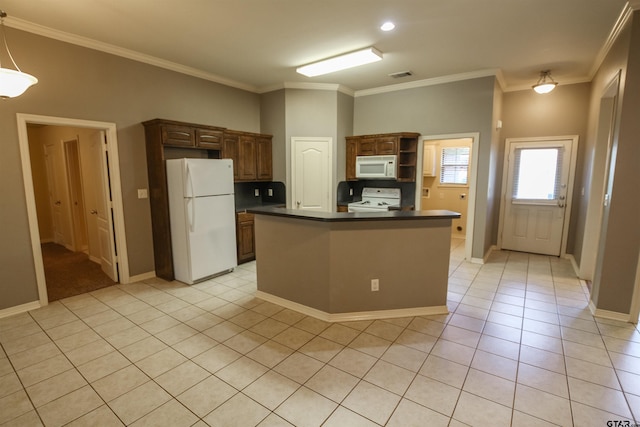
(400, 74)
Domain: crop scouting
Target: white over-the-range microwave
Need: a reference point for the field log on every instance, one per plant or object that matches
(376, 167)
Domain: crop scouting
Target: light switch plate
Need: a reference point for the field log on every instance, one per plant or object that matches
(256, 192)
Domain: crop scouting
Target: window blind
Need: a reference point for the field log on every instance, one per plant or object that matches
(537, 173)
(454, 165)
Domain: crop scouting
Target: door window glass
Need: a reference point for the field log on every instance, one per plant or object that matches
(537, 173)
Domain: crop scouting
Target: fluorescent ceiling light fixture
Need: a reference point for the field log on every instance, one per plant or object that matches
(387, 26)
(545, 83)
(342, 62)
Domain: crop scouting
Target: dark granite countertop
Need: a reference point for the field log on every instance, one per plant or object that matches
(246, 208)
(353, 216)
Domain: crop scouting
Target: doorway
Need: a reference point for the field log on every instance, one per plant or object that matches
(460, 195)
(537, 193)
(108, 178)
(311, 173)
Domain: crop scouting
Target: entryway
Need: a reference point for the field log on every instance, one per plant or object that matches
(311, 173)
(537, 193)
(75, 211)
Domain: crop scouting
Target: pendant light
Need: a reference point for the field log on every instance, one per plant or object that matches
(545, 83)
(12, 82)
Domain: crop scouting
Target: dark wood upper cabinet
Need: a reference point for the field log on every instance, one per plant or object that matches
(209, 139)
(264, 160)
(402, 144)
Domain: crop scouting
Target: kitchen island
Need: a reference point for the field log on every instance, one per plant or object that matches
(325, 264)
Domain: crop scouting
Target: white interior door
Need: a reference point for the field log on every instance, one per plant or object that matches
(56, 181)
(101, 206)
(311, 173)
(536, 196)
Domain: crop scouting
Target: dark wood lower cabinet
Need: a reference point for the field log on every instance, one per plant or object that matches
(245, 237)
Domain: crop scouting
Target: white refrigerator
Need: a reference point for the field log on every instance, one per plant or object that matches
(202, 217)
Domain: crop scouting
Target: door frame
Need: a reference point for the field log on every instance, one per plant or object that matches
(329, 142)
(114, 178)
(569, 199)
(473, 179)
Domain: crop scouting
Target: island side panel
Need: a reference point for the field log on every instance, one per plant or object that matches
(410, 259)
(292, 259)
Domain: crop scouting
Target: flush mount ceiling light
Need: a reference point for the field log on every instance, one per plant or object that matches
(545, 83)
(12, 82)
(388, 26)
(342, 62)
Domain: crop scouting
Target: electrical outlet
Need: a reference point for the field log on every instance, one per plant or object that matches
(256, 192)
(142, 193)
(351, 191)
(270, 192)
(375, 285)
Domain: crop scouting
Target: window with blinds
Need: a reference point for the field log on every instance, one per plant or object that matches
(454, 165)
(537, 173)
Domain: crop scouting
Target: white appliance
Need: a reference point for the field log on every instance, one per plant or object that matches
(376, 167)
(202, 217)
(376, 199)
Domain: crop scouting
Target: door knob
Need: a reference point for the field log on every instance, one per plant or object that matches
(93, 212)
(58, 203)
(560, 204)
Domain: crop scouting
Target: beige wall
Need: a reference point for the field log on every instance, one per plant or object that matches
(81, 83)
(447, 197)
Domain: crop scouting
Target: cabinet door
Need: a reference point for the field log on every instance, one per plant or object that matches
(386, 145)
(230, 151)
(352, 150)
(181, 136)
(264, 162)
(247, 158)
(210, 139)
(245, 237)
(366, 147)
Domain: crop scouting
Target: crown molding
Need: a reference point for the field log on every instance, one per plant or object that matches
(625, 16)
(497, 73)
(308, 86)
(41, 30)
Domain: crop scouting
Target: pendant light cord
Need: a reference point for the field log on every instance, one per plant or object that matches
(4, 38)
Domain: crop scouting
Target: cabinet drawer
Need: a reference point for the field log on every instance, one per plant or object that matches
(245, 216)
(211, 139)
(182, 136)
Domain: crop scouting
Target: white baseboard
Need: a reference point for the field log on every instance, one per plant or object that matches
(94, 259)
(574, 264)
(348, 317)
(606, 314)
(144, 276)
(19, 309)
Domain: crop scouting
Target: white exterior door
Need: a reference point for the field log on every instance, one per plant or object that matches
(101, 207)
(311, 173)
(537, 192)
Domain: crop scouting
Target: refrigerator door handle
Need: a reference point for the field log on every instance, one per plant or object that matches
(191, 204)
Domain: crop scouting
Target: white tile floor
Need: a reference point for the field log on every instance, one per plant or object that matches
(519, 348)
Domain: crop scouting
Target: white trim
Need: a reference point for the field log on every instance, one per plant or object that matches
(606, 314)
(486, 256)
(625, 15)
(574, 264)
(308, 86)
(634, 314)
(353, 316)
(12, 311)
(116, 191)
(144, 276)
(495, 72)
(473, 179)
(51, 33)
(569, 199)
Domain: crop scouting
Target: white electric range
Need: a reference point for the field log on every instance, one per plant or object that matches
(376, 199)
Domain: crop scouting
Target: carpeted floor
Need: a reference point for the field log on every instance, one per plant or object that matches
(70, 273)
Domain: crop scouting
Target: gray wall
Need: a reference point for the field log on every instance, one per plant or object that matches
(80, 83)
(619, 246)
(458, 107)
(272, 121)
(561, 112)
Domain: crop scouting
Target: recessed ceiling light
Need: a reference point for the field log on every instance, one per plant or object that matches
(387, 26)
